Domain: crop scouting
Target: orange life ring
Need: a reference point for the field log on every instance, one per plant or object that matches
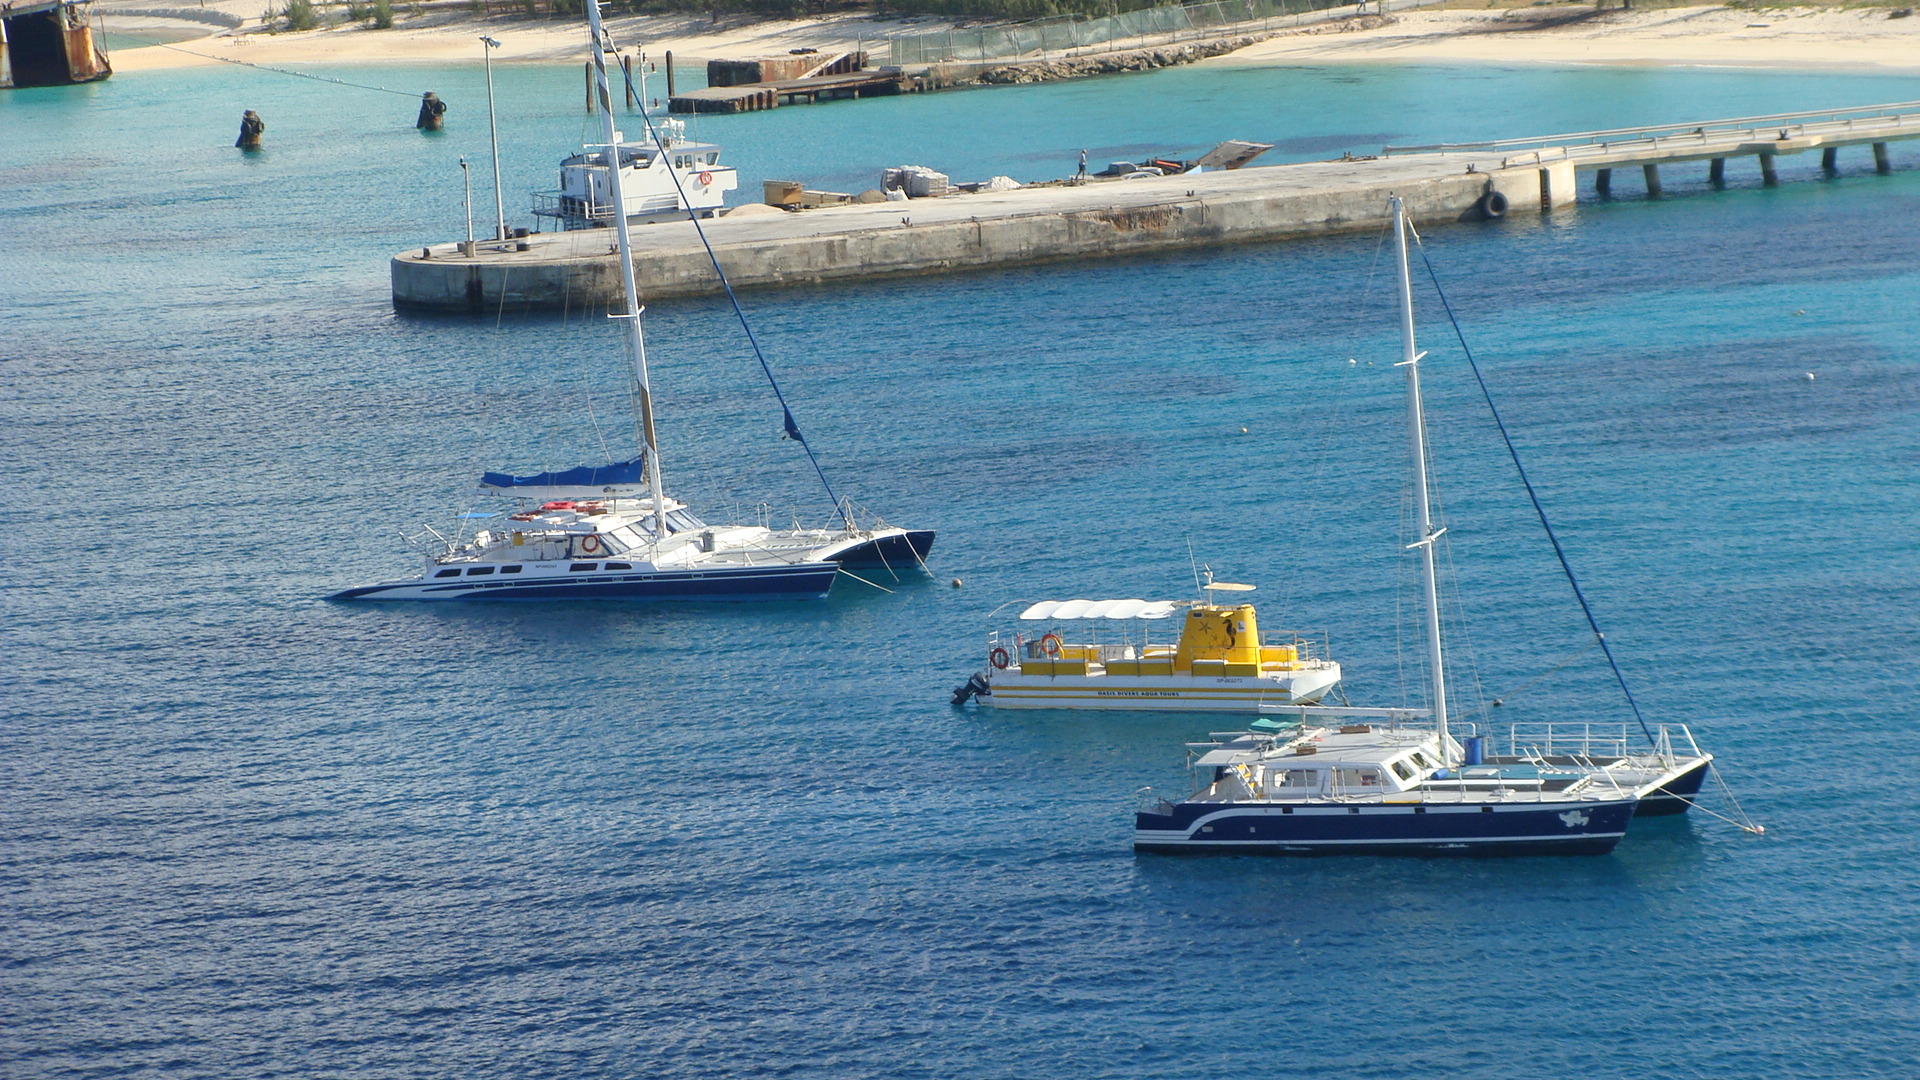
(1052, 650)
(706, 178)
(999, 658)
(589, 544)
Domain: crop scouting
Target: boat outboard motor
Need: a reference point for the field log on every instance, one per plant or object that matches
(976, 687)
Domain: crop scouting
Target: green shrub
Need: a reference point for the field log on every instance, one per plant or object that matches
(300, 15)
(382, 14)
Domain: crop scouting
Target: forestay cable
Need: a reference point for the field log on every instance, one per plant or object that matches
(1541, 511)
(792, 429)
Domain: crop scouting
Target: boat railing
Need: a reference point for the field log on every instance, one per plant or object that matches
(1582, 740)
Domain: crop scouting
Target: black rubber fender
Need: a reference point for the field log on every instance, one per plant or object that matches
(1493, 206)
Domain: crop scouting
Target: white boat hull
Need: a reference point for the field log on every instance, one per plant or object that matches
(1011, 689)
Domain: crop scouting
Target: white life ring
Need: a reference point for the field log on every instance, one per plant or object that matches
(706, 178)
(589, 544)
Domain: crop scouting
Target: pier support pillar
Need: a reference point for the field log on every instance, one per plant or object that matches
(1767, 174)
(1652, 173)
(1830, 159)
(1881, 163)
(1717, 172)
(1557, 185)
(1603, 182)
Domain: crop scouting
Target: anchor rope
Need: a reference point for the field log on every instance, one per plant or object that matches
(791, 427)
(267, 67)
(1532, 496)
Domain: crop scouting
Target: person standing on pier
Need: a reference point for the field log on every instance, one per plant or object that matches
(251, 128)
(432, 110)
(1083, 166)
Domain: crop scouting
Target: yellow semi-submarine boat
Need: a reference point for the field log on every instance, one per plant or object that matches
(1100, 654)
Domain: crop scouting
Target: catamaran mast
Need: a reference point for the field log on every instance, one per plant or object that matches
(1417, 435)
(636, 341)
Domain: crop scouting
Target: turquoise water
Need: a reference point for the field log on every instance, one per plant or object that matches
(250, 833)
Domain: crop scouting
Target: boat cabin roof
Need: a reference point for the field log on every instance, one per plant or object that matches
(1324, 748)
(1101, 609)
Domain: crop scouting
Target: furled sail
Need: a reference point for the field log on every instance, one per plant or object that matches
(621, 477)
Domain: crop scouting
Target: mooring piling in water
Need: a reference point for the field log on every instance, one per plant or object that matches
(1603, 182)
(1881, 162)
(1652, 173)
(1717, 172)
(1768, 175)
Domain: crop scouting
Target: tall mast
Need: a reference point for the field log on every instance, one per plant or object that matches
(636, 341)
(1417, 436)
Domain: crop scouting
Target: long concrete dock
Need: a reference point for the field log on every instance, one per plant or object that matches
(1104, 219)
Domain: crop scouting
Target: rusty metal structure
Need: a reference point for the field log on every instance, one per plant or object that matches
(50, 43)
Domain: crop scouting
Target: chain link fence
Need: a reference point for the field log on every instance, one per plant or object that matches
(1144, 28)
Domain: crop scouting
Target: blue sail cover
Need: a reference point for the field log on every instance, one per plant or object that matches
(586, 476)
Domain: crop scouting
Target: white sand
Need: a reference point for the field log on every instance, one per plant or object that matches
(453, 36)
(1858, 38)
(1862, 38)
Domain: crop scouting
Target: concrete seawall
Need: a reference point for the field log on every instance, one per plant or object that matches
(965, 232)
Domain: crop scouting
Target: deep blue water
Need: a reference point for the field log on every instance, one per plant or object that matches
(244, 832)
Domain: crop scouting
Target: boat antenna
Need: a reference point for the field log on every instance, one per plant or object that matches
(1198, 589)
(1534, 497)
(1423, 505)
(792, 429)
(636, 340)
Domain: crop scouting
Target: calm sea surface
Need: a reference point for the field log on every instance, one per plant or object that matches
(248, 833)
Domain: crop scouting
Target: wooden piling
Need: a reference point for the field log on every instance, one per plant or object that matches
(588, 67)
(1603, 182)
(669, 74)
(1881, 163)
(1767, 174)
(1717, 172)
(1652, 173)
(626, 70)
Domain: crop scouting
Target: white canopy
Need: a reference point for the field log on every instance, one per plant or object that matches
(1101, 609)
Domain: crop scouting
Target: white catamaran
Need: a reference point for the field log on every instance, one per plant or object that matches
(611, 531)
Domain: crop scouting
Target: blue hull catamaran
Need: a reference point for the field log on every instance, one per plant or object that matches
(1397, 780)
(611, 532)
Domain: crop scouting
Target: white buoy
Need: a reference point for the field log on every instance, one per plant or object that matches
(1809, 376)
(956, 583)
(1243, 431)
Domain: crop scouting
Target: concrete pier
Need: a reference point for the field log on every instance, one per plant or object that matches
(1110, 219)
(958, 232)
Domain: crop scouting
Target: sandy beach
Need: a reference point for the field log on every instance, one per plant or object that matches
(1715, 36)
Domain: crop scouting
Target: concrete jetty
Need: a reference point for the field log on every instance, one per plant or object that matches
(1104, 219)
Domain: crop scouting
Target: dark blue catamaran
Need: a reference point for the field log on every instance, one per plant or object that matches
(611, 531)
(1312, 779)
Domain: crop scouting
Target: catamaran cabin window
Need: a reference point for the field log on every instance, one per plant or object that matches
(509, 569)
(1401, 770)
(478, 570)
(619, 566)
(1353, 778)
(455, 572)
(1420, 759)
(579, 566)
(1297, 778)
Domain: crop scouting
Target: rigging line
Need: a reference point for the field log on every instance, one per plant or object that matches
(1533, 496)
(264, 67)
(792, 428)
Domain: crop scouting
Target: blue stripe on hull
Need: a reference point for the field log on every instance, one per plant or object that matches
(1676, 796)
(799, 582)
(891, 552)
(1267, 828)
